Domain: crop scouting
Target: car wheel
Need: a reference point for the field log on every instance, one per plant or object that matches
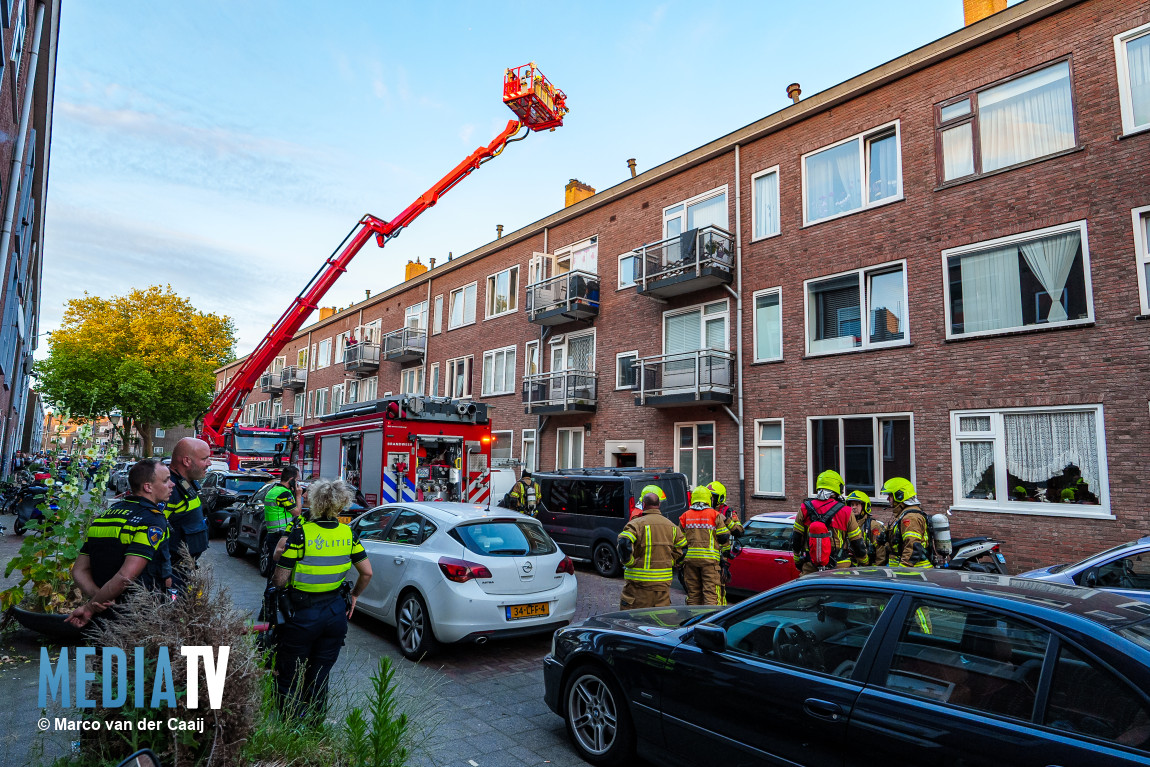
(606, 560)
(266, 561)
(413, 627)
(232, 542)
(597, 718)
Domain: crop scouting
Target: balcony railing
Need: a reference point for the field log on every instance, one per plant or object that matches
(361, 358)
(405, 345)
(264, 422)
(706, 375)
(570, 296)
(564, 391)
(284, 420)
(691, 261)
(294, 377)
(271, 383)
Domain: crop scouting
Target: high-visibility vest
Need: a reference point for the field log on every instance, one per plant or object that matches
(326, 558)
(701, 526)
(276, 514)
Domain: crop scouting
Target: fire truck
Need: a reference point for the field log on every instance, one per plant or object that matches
(255, 448)
(538, 105)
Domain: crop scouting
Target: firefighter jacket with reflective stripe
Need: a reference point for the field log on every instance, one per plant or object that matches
(319, 554)
(706, 532)
(525, 496)
(909, 539)
(278, 505)
(133, 527)
(844, 531)
(656, 544)
(734, 525)
(876, 550)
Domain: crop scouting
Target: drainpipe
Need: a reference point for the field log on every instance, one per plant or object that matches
(739, 335)
(428, 318)
(541, 421)
(21, 140)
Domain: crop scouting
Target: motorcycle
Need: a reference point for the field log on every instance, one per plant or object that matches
(27, 509)
(980, 554)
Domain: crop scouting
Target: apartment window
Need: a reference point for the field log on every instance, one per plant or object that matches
(626, 369)
(310, 403)
(160, 433)
(707, 209)
(301, 359)
(157, 450)
(321, 402)
(341, 342)
(19, 30)
(628, 270)
(529, 450)
(499, 372)
(416, 316)
(859, 172)
(1022, 119)
(1036, 278)
(866, 450)
(765, 203)
(437, 320)
(768, 328)
(336, 397)
(1026, 459)
(433, 380)
(503, 292)
(1141, 218)
(313, 356)
(502, 443)
(699, 327)
(857, 310)
(769, 457)
(569, 448)
(531, 358)
(368, 389)
(695, 452)
(573, 351)
(411, 381)
(323, 355)
(1132, 53)
(462, 307)
(459, 377)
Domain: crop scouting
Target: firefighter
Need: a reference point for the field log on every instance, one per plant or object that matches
(909, 534)
(731, 548)
(281, 506)
(191, 459)
(706, 532)
(826, 535)
(874, 532)
(525, 495)
(649, 547)
(648, 489)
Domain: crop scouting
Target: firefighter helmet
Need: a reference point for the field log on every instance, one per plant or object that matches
(860, 497)
(830, 480)
(652, 489)
(701, 494)
(718, 491)
(899, 489)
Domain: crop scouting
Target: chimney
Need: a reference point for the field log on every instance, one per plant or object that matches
(576, 191)
(977, 10)
(366, 293)
(499, 231)
(325, 312)
(794, 92)
(449, 256)
(631, 165)
(414, 269)
(431, 263)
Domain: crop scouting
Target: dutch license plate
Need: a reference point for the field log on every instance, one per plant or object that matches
(535, 610)
(345, 520)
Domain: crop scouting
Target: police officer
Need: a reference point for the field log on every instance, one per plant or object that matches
(319, 553)
(650, 546)
(281, 505)
(525, 495)
(190, 461)
(706, 532)
(874, 532)
(125, 544)
(828, 509)
(909, 533)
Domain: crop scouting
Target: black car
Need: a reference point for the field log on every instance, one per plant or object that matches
(864, 667)
(220, 490)
(584, 510)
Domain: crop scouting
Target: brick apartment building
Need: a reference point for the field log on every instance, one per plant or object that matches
(937, 269)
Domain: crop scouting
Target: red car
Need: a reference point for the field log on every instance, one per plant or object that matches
(766, 560)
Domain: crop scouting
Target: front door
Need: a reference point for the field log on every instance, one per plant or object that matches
(625, 460)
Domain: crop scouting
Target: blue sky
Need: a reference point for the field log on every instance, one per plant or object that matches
(225, 148)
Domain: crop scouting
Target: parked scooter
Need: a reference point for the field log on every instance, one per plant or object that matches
(980, 554)
(27, 506)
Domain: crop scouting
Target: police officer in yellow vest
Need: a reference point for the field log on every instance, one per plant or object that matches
(319, 554)
(191, 459)
(281, 505)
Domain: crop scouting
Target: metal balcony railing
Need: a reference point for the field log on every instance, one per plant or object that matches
(693, 260)
(405, 344)
(284, 420)
(361, 357)
(271, 383)
(264, 422)
(669, 379)
(560, 392)
(570, 296)
(293, 377)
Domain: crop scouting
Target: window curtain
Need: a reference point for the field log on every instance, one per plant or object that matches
(770, 460)
(841, 165)
(975, 459)
(1026, 118)
(1050, 259)
(710, 212)
(768, 328)
(767, 205)
(883, 167)
(957, 152)
(991, 291)
(1138, 61)
(1040, 445)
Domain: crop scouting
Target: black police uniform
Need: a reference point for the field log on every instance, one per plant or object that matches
(133, 526)
(186, 518)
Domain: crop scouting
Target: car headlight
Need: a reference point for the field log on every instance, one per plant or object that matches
(554, 634)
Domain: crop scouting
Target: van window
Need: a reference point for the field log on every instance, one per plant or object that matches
(592, 497)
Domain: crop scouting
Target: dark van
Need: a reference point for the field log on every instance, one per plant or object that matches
(584, 510)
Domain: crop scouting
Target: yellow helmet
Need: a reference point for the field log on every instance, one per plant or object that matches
(718, 491)
(830, 480)
(861, 497)
(899, 489)
(701, 494)
(653, 489)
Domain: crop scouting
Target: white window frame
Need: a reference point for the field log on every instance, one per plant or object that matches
(1140, 218)
(998, 437)
(780, 443)
(492, 354)
(433, 380)
(322, 402)
(618, 357)
(417, 312)
(411, 380)
(1122, 62)
(1022, 237)
(498, 441)
(362, 388)
(311, 403)
(755, 325)
(755, 207)
(682, 214)
(692, 481)
(489, 294)
(437, 318)
(864, 276)
(528, 349)
(582, 443)
(323, 357)
(876, 418)
(468, 361)
(462, 293)
(565, 345)
(337, 397)
(20, 29)
(703, 317)
(301, 358)
(160, 433)
(619, 284)
(863, 139)
(529, 438)
(340, 346)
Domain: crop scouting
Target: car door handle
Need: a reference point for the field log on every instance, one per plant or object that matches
(782, 560)
(823, 709)
(400, 560)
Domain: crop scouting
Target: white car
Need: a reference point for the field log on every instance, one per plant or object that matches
(456, 572)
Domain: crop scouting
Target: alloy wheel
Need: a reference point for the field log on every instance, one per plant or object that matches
(412, 623)
(592, 714)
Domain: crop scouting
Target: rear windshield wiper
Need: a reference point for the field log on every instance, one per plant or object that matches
(508, 551)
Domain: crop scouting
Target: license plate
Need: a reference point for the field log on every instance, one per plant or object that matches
(518, 612)
(345, 520)
(1001, 559)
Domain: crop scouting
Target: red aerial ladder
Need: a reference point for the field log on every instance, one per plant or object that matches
(538, 105)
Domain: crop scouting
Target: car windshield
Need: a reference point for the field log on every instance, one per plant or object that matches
(1138, 633)
(1106, 553)
(761, 534)
(258, 445)
(244, 484)
(505, 538)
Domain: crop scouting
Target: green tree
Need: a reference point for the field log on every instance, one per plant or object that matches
(148, 354)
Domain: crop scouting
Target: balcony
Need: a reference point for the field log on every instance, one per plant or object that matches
(405, 345)
(284, 420)
(294, 377)
(675, 380)
(361, 358)
(685, 263)
(264, 422)
(566, 391)
(570, 296)
(271, 383)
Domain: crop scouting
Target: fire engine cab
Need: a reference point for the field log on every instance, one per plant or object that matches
(410, 448)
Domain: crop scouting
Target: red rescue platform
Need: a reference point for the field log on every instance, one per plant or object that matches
(531, 96)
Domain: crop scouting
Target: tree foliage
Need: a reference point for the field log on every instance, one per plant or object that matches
(148, 354)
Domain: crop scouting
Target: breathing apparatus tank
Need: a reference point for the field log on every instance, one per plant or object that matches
(940, 527)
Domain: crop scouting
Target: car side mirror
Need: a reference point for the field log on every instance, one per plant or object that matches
(711, 638)
(1090, 578)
